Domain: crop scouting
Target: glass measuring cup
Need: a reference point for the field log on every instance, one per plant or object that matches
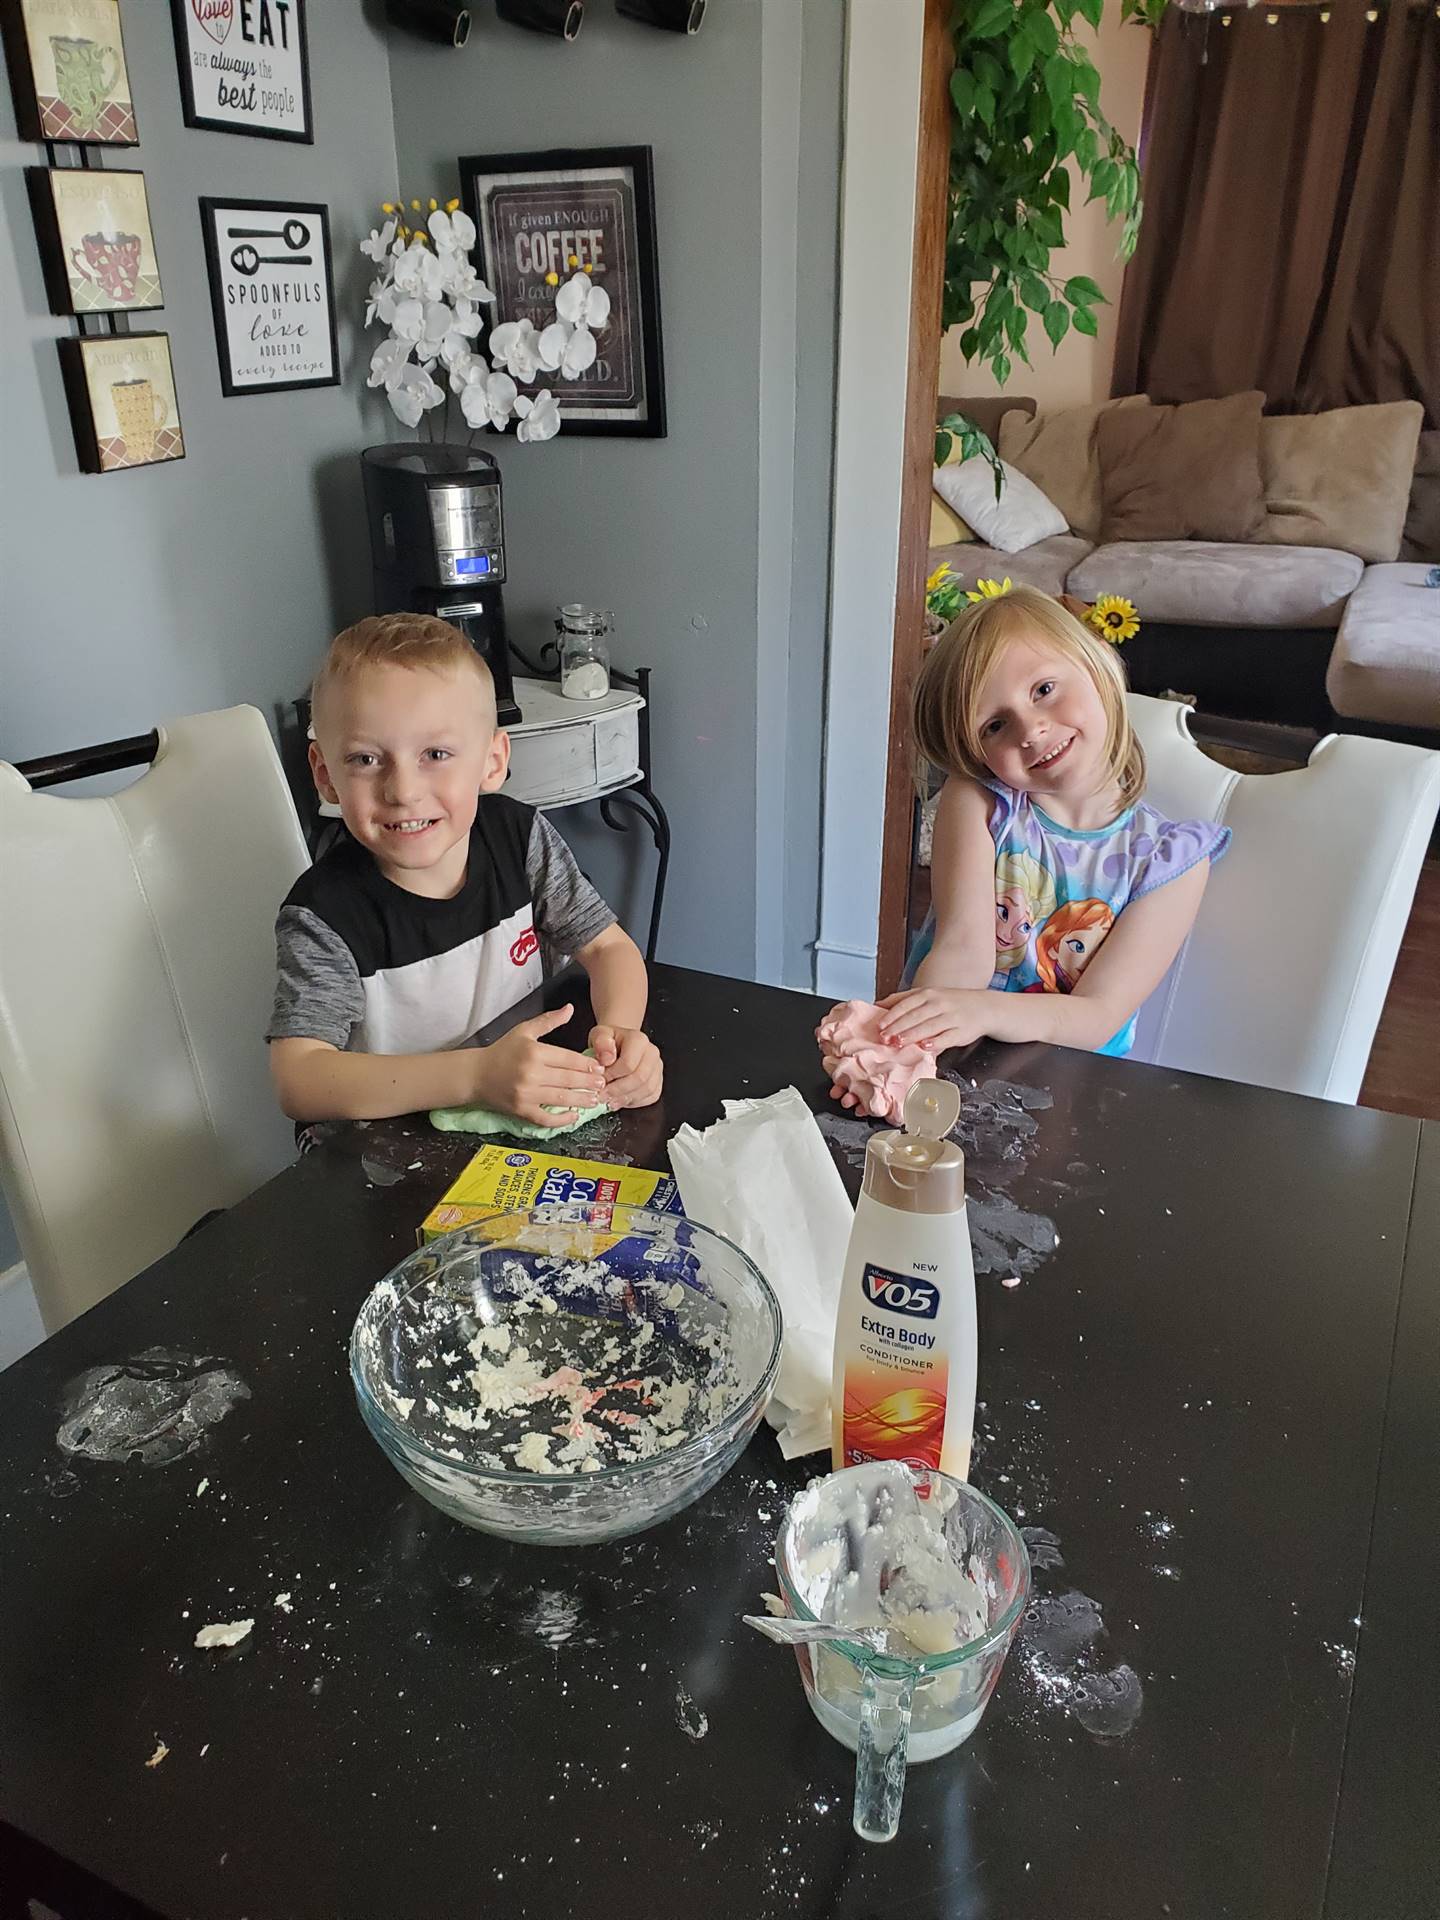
(906, 1704)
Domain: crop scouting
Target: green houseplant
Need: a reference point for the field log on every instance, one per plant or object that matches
(1026, 118)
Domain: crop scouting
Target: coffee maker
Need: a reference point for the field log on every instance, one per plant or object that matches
(437, 544)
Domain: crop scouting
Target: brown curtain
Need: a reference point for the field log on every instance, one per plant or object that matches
(1291, 235)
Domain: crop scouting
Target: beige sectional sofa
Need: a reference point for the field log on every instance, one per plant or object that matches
(1265, 628)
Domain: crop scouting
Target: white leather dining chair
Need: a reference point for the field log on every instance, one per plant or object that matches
(1283, 978)
(136, 968)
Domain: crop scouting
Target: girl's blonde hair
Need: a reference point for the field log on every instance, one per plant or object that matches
(948, 690)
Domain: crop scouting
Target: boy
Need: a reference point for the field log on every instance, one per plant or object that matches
(428, 920)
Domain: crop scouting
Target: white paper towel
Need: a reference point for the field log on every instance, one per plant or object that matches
(763, 1176)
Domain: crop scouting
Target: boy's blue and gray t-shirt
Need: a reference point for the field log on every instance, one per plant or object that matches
(371, 968)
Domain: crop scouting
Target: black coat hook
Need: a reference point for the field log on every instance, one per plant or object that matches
(443, 20)
(562, 18)
(676, 16)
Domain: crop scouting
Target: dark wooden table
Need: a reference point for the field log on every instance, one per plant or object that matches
(1217, 1395)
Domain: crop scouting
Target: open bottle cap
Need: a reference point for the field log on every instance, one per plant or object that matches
(919, 1170)
(931, 1108)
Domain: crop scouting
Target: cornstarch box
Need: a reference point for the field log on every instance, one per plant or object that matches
(510, 1180)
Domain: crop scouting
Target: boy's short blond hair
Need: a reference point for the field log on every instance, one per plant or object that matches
(420, 641)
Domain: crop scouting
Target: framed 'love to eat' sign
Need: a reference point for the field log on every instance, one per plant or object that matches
(244, 66)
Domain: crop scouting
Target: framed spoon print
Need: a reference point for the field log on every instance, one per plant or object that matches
(272, 292)
(244, 66)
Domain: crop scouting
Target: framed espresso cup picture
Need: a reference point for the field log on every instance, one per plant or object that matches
(68, 72)
(96, 246)
(121, 393)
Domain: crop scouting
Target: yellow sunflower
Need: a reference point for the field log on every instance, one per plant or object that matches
(941, 573)
(989, 589)
(1114, 618)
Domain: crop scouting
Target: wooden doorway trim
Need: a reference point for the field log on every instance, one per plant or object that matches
(932, 169)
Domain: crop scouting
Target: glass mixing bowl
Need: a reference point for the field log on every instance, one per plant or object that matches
(570, 1374)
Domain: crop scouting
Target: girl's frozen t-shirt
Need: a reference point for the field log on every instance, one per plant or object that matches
(1059, 890)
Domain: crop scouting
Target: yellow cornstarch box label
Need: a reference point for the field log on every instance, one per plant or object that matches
(511, 1180)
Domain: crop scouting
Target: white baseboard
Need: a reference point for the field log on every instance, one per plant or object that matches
(844, 973)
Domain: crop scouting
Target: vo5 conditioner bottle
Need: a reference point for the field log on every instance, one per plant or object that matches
(905, 1342)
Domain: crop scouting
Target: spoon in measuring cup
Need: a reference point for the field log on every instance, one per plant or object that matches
(786, 1631)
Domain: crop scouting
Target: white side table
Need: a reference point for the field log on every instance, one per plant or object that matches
(565, 752)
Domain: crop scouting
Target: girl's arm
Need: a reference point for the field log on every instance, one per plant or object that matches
(962, 890)
(1131, 963)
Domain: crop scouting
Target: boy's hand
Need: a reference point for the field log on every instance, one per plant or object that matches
(938, 1017)
(634, 1073)
(521, 1075)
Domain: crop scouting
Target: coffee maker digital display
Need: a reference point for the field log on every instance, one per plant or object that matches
(437, 545)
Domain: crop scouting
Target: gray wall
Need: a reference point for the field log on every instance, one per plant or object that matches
(219, 578)
(670, 534)
(125, 597)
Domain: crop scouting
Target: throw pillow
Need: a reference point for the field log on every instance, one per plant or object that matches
(1057, 451)
(1190, 472)
(1422, 522)
(1342, 478)
(1018, 519)
(983, 411)
(947, 529)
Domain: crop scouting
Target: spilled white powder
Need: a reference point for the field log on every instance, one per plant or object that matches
(224, 1635)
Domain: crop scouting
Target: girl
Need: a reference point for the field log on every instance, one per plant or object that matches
(1024, 708)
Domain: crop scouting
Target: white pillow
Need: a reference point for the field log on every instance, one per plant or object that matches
(1021, 516)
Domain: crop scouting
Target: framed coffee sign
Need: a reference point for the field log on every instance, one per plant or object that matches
(542, 217)
(68, 72)
(95, 241)
(272, 293)
(244, 66)
(121, 392)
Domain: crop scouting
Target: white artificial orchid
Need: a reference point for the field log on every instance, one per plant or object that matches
(407, 322)
(461, 282)
(539, 418)
(452, 230)
(466, 367)
(515, 345)
(436, 329)
(429, 298)
(462, 326)
(567, 350)
(489, 400)
(378, 245)
(386, 363)
(418, 272)
(580, 303)
(412, 394)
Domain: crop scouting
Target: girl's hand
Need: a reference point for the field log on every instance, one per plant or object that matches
(938, 1017)
(633, 1070)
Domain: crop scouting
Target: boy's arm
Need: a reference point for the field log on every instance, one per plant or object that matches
(618, 992)
(962, 890)
(317, 1081)
(575, 920)
(619, 986)
(319, 1001)
(518, 1074)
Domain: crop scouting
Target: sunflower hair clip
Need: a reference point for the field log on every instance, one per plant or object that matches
(1114, 618)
